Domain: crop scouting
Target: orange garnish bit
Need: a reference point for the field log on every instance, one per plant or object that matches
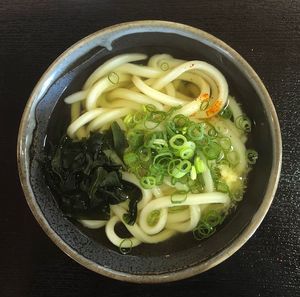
(215, 107)
(203, 97)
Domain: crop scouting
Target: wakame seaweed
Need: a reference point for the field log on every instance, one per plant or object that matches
(85, 181)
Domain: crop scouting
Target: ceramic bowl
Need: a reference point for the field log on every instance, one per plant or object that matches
(46, 115)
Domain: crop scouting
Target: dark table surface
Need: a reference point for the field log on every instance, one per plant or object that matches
(34, 33)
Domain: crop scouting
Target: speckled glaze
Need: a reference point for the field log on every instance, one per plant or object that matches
(182, 256)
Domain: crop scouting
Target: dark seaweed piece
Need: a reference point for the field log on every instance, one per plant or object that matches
(134, 198)
(119, 139)
(84, 181)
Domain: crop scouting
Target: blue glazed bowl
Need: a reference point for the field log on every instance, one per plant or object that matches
(182, 256)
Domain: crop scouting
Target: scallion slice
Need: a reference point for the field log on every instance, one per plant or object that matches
(179, 197)
(177, 141)
(252, 156)
(148, 182)
(243, 122)
(113, 78)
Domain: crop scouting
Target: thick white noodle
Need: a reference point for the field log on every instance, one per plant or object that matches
(178, 216)
(138, 233)
(157, 192)
(110, 65)
(208, 69)
(100, 87)
(199, 81)
(140, 70)
(84, 119)
(115, 239)
(126, 94)
(164, 61)
(158, 227)
(159, 96)
(195, 214)
(156, 60)
(93, 224)
(170, 90)
(78, 96)
(107, 117)
(119, 103)
(211, 82)
(75, 114)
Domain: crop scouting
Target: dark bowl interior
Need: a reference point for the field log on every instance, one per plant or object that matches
(183, 251)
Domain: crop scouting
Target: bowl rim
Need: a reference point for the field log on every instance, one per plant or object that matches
(236, 243)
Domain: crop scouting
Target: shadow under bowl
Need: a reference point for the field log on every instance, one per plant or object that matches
(46, 118)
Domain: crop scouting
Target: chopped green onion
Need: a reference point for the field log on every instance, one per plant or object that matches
(243, 122)
(150, 125)
(220, 157)
(179, 197)
(149, 108)
(212, 150)
(252, 156)
(128, 121)
(164, 66)
(186, 153)
(181, 169)
(135, 138)
(148, 182)
(199, 165)
(203, 230)
(157, 116)
(213, 218)
(212, 132)
(226, 113)
(159, 144)
(125, 246)
(153, 217)
(193, 173)
(162, 159)
(225, 143)
(139, 171)
(159, 179)
(130, 159)
(139, 117)
(113, 78)
(172, 164)
(180, 120)
(144, 154)
(177, 141)
(224, 162)
(174, 180)
(196, 131)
